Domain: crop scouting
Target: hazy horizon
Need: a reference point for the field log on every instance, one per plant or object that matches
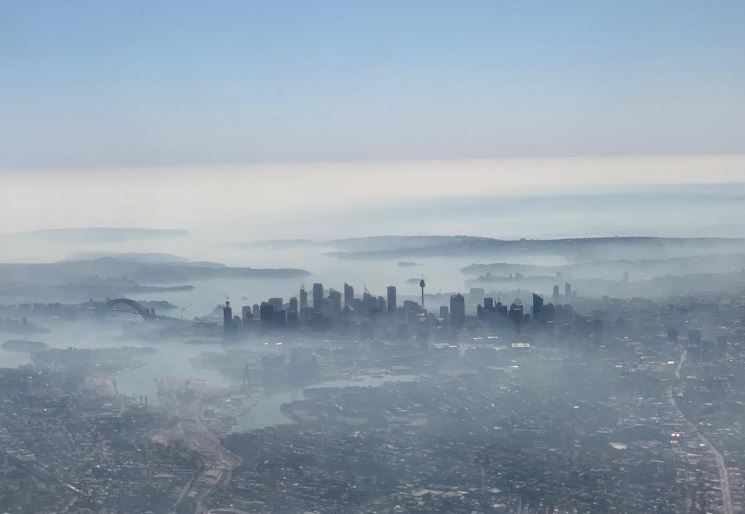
(502, 198)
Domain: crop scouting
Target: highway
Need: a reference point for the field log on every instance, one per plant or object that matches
(190, 429)
(723, 472)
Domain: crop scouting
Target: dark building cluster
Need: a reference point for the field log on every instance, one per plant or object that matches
(327, 309)
(369, 315)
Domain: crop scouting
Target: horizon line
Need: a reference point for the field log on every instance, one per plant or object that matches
(299, 162)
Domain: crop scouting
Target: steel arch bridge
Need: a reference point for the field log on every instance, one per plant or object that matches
(146, 313)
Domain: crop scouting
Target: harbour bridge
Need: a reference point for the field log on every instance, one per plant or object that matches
(147, 314)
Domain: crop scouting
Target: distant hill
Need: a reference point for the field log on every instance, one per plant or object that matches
(606, 248)
(134, 268)
(273, 244)
(94, 235)
(638, 268)
(402, 243)
(160, 258)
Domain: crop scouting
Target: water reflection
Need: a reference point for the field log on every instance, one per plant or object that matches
(12, 359)
(267, 411)
(171, 360)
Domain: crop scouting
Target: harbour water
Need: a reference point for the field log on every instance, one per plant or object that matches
(268, 412)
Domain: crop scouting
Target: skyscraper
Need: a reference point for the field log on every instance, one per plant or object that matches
(421, 284)
(335, 299)
(280, 318)
(227, 314)
(303, 298)
(246, 313)
(348, 295)
(381, 304)
(457, 310)
(277, 303)
(391, 295)
(537, 307)
(476, 295)
(369, 301)
(556, 294)
(516, 313)
(266, 315)
(227, 320)
(317, 296)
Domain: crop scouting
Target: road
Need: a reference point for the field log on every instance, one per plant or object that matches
(190, 429)
(723, 472)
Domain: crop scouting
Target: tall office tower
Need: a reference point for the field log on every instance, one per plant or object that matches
(476, 295)
(537, 307)
(266, 315)
(227, 314)
(369, 301)
(391, 295)
(335, 299)
(227, 319)
(293, 304)
(556, 295)
(422, 284)
(292, 319)
(317, 296)
(501, 308)
(568, 290)
(246, 314)
(457, 310)
(516, 313)
(488, 304)
(277, 303)
(280, 318)
(348, 295)
(303, 298)
(380, 305)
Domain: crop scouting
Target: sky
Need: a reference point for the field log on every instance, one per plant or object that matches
(90, 84)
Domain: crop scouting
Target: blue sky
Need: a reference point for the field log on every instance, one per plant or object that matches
(89, 83)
